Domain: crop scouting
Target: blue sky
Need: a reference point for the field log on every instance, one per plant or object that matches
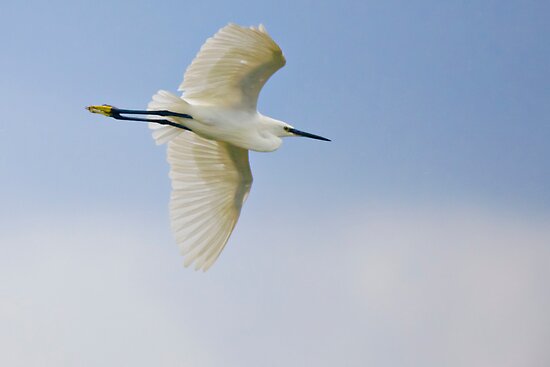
(436, 183)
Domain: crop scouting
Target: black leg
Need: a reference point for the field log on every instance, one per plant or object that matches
(116, 113)
(115, 110)
(162, 122)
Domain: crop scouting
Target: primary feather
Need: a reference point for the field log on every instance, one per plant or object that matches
(232, 67)
(210, 182)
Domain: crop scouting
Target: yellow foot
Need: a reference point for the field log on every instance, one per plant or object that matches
(102, 110)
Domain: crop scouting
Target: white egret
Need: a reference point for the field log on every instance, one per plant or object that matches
(209, 131)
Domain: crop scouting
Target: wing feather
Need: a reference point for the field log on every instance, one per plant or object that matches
(210, 182)
(232, 67)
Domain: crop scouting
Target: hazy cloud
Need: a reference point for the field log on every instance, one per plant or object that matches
(389, 286)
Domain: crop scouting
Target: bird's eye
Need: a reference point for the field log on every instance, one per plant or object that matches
(286, 128)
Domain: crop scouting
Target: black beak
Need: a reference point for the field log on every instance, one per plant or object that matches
(307, 135)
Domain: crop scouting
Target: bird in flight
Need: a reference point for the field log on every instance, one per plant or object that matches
(209, 131)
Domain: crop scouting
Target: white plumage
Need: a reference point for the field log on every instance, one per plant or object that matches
(210, 182)
(232, 67)
(209, 165)
(211, 179)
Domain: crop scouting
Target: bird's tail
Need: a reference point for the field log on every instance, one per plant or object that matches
(166, 101)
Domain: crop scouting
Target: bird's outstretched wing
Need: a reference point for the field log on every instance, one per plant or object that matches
(232, 67)
(210, 182)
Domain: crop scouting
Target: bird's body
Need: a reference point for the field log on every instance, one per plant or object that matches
(209, 164)
(247, 129)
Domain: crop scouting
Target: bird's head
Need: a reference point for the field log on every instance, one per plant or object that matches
(271, 131)
(282, 129)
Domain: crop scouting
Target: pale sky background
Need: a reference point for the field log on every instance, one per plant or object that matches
(419, 237)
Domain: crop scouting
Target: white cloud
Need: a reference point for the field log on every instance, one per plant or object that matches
(457, 287)
(74, 293)
(388, 286)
